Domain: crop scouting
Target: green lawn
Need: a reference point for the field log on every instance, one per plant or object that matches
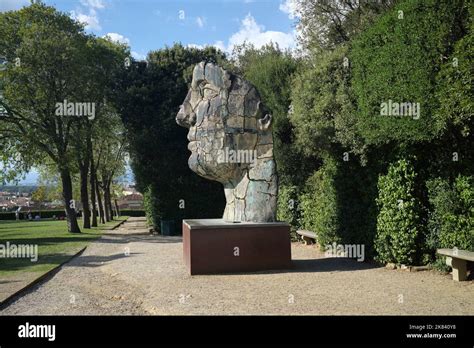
(55, 244)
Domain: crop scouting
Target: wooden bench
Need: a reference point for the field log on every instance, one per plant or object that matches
(457, 259)
(307, 236)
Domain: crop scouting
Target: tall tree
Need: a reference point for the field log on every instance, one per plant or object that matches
(325, 24)
(106, 59)
(45, 50)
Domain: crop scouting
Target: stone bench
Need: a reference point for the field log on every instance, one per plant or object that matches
(308, 237)
(457, 259)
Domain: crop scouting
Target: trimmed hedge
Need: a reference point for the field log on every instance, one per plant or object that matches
(45, 214)
(132, 212)
(398, 59)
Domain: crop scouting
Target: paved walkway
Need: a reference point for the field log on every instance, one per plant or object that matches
(128, 271)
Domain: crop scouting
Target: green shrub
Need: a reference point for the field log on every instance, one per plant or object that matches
(398, 218)
(318, 204)
(451, 222)
(288, 208)
(152, 210)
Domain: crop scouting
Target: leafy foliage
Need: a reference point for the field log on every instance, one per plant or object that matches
(326, 24)
(398, 224)
(319, 206)
(324, 106)
(452, 215)
(397, 59)
(456, 87)
(271, 71)
(288, 207)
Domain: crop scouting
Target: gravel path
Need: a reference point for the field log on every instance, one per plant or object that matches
(129, 272)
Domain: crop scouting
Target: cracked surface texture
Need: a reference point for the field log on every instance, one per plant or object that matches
(230, 139)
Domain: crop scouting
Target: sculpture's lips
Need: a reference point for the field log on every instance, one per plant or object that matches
(191, 145)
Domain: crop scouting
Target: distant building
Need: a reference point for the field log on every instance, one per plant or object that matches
(131, 201)
(129, 190)
(21, 202)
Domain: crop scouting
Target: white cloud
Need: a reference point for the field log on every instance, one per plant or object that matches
(138, 56)
(117, 38)
(220, 45)
(201, 22)
(88, 14)
(90, 20)
(252, 32)
(290, 7)
(9, 5)
(98, 4)
(196, 46)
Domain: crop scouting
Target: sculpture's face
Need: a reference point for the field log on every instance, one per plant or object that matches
(223, 116)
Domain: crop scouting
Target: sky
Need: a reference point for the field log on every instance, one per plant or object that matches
(153, 24)
(147, 25)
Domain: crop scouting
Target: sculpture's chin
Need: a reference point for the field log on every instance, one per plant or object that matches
(220, 172)
(193, 163)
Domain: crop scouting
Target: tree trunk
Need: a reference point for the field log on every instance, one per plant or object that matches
(92, 179)
(106, 204)
(93, 198)
(108, 201)
(72, 225)
(117, 208)
(86, 215)
(99, 202)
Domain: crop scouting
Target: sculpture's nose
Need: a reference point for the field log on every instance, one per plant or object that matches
(184, 118)
(181, 117)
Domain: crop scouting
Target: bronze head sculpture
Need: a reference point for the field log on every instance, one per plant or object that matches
(230, 139)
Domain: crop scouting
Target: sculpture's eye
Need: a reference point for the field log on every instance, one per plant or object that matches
(192, 119)
(207, 90)
(209, 93)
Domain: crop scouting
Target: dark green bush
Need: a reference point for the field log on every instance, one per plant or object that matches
(455, 87)
(288, 207)
(356, 193)
(152, 210)
(319, 206)
(133, 212)
(398, 59)
(148, 98)
(398, 225)
(451, 222)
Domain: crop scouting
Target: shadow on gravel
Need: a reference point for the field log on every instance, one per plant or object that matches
(329, 265)
(333, 264)
(9, 281)
(96, 261)
(141, 238)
